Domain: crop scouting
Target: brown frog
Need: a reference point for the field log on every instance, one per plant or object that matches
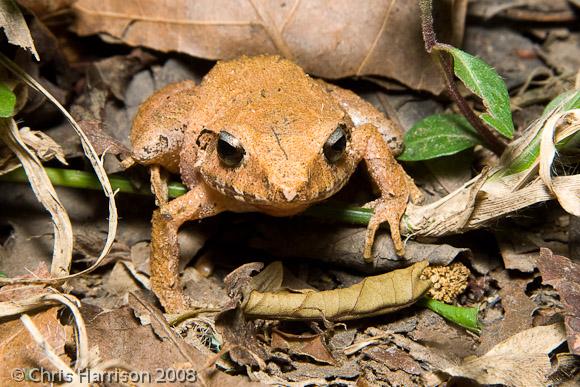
(258, 134)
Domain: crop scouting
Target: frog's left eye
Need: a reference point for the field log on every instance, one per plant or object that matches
(335, 146)
(230, 150)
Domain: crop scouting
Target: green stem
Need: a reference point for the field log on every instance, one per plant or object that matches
(86, 180)
(465, 317)
(445, 63)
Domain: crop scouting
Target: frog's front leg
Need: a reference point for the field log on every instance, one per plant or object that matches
(198, 203)
(394, 184)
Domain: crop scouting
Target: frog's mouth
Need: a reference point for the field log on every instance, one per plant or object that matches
(273, 199)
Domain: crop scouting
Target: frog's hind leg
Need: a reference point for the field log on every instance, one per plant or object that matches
(195, 204)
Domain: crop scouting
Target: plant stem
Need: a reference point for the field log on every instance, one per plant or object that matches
(86, 180)
(446, 65)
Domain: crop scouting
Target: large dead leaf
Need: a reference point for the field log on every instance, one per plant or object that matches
(329, 38)
(521, 360)
(372, 296)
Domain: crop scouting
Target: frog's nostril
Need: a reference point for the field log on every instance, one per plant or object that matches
(289, 193)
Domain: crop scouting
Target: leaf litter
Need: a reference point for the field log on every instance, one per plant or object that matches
(411, 347)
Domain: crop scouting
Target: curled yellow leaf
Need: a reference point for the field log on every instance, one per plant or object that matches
(372, 296)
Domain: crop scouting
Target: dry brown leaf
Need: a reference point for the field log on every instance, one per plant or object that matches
(564, 275)
(371, 297)
(309, 345)
(517, 251)
(39, 142)
(19, 351)
(44, 146)
(102, 141)
(517, 306)
(522, 360)
(394, 358)
(331, 39)
(118, 335)
(448, 339)
(15, 28)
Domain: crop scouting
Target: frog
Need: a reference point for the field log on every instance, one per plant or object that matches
(258, 134)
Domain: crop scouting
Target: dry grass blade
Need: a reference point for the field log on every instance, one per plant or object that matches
(97, 164)
(447, 215)
(489, 209)
(44, 191)
(12, 308)
(48, 351)
(16, 307)
(82, 338)
(554, 132)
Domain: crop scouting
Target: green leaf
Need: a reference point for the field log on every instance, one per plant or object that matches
(481, 79)
(438, 135)
(7, 101)
(573, 103)
(462, 316)
(2, 274)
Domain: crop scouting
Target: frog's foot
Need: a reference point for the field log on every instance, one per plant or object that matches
(388, 210)
(172, 299)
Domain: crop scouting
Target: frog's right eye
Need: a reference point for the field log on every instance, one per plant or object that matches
(230, 150)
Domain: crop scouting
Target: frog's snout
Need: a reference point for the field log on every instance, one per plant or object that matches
(289, 185)
(289, 193)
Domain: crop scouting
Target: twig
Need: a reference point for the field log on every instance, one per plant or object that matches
(498, 206)
(445, 63)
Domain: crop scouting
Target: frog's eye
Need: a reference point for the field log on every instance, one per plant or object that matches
(230, 149)
(335, 145)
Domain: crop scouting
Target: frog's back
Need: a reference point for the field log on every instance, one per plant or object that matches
(261, 91)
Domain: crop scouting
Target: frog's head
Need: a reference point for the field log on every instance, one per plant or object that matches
(281, 163)
(270, 135)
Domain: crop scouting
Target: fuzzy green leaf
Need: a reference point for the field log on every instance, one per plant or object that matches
(483, 80)
(462, 316)
(438, 135)
(7, 101)
(573, 101)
